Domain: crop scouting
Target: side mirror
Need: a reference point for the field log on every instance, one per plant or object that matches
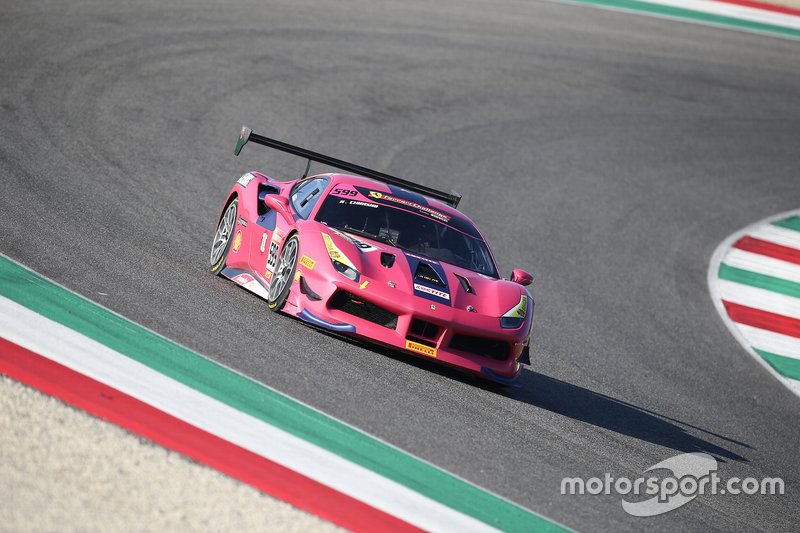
(281, 205)
(521, 277)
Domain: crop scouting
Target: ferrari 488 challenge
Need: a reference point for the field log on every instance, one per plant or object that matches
(376, 257)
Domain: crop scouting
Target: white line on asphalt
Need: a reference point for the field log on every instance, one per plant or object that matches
(772, 302)
(762, 264)
(777, 235)
(771, 342)
(794, 385)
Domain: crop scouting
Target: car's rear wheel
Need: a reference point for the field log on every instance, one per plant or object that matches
(223, 237)
(283, 275)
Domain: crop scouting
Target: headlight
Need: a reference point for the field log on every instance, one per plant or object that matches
(341, 263)
(515, 316)
(511, 322)
(346, 271)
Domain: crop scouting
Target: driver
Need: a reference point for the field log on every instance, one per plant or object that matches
(419, 238)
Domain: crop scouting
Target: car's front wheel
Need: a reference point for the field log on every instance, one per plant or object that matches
(223, 237)
(283, 275)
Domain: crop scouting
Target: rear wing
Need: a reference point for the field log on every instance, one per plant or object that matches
(247, 134)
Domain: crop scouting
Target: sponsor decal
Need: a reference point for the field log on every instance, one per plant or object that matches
(426, 259)
(362, 204)
(343, 191)
(363, 285)
(335, 253)
(243, 279)
(297, 276)
(438, 215)
(237, 241)
(250, 283)
(364, 246)
(268, 274)
(274, 249)
(242, 222)
(519, 310)
(245, 180)
(433, 307)
(272, 258)
(439, 294)
(421, 348)
(428, 285)
(263, 242)
(307, 262)
(434, 280)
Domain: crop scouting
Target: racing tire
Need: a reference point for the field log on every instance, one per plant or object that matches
(223, 237)
(283, 276)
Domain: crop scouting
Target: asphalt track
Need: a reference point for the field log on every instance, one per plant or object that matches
(608, 153)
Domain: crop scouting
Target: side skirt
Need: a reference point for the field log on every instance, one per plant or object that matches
(246, 280)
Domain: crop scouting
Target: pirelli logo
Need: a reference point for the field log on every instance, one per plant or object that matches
(421, 348)
(307, 262)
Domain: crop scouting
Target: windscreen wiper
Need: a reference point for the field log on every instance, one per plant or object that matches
(380, 238)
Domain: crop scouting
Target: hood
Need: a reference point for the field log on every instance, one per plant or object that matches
(433, 280)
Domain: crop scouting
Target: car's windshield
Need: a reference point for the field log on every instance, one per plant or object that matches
(417, 232)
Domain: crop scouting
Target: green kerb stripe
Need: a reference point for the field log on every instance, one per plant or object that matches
(789, 223)
(762, 281)
(677, 12)
(785, 366)
(183, 365)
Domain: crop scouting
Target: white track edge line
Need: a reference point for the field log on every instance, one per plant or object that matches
(91, 358)
(276, 391)
(762, 264)
(777, 235)
(762, 299)
(769, 341)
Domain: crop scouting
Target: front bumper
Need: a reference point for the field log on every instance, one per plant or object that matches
(384, 315)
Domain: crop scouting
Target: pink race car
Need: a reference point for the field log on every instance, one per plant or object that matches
(375, 257)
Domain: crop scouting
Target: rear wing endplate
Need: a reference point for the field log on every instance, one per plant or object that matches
(247, 134)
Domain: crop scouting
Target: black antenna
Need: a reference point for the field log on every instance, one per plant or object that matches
(247, 134)
(308, 166)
